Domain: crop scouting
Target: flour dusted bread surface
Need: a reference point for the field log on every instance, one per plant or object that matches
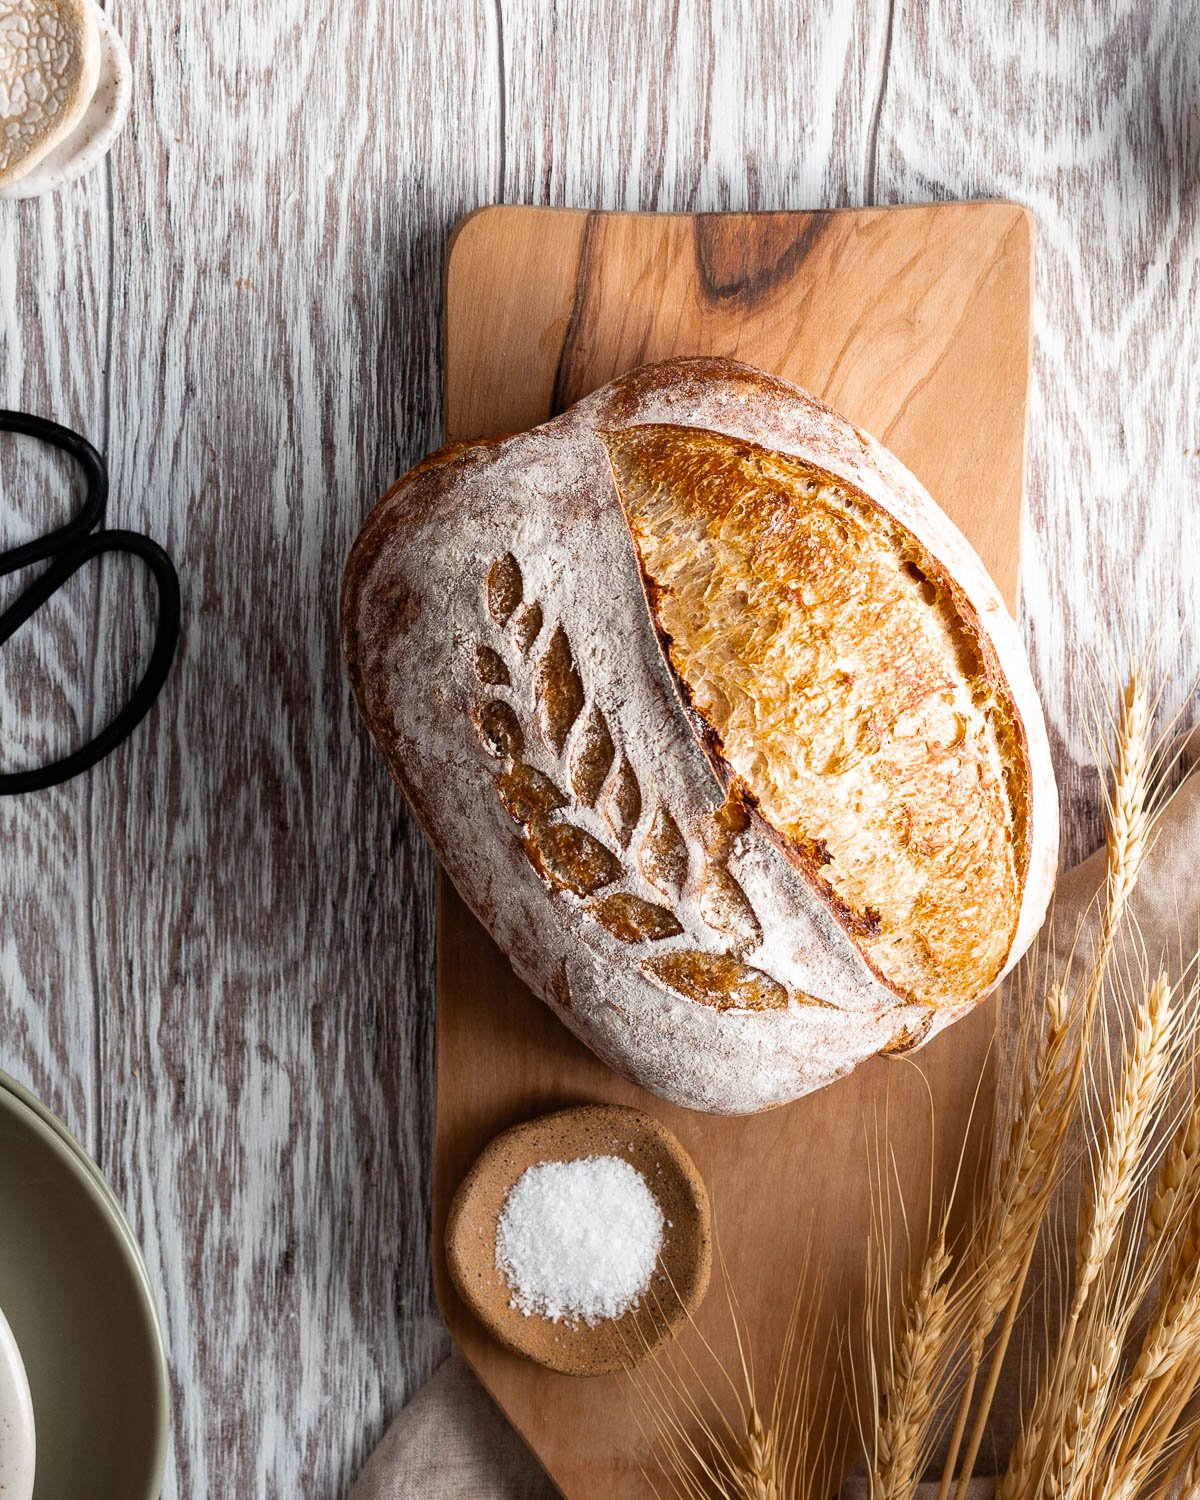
(716, 722)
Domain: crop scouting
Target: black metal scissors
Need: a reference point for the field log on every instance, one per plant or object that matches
(69, 547)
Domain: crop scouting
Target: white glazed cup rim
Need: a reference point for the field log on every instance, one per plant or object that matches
(92, 137)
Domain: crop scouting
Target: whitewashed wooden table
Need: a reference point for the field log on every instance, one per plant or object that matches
(215, 951)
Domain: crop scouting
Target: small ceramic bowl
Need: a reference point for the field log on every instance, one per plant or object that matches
(684, 1265)
(16, 1420)
(91, 138)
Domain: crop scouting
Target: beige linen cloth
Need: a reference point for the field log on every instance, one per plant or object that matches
(452, 1443)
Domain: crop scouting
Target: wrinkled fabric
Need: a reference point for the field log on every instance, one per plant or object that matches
(452, 1442)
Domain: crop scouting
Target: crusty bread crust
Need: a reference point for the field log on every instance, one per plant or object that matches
(507, 651)
(843, 696)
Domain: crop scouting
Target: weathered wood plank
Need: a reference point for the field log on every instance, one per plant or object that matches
(264, 916)
(54, 283)
(682, 107)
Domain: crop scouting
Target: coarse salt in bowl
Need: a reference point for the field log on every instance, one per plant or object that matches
(579, 1240)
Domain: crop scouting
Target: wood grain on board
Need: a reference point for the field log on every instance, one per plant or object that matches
(914, 322)
(216, 951)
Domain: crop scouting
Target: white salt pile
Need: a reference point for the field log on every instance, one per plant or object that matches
(578, 1240)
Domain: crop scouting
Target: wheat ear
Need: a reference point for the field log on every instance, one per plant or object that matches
(910, 1389)
(1130, 1469)
(1143, 1074)
(757, 1477)
(1129, 817)
(1126, 841)
(1170, 1338)
(1177, 1179)
(1069, 1456)
(1051, 1437)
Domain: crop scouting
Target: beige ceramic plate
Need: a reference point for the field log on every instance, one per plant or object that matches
(684, 1264)
(75, 1292)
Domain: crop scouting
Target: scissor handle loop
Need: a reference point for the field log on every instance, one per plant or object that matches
(95, 472)
(71, 546)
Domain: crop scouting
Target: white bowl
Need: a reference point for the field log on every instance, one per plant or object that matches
(16, 1420)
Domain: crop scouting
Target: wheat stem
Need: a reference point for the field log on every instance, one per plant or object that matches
(960, 1424)
(1024, 1181)
(989, 1390)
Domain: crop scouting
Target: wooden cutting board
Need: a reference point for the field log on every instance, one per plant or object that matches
(913, 322)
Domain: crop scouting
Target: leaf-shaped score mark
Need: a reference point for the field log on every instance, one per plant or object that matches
(718, 980)
(570, 858)
(726, 908)
(592, 758)
(504, 588)
(623, 803)
(558, 691)
(527, 794)
(528, 626)
(490, 668)
(499, 728)
(724, 905)
(633, 920)
(663, 856)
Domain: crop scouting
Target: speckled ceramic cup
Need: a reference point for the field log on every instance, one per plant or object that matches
(17, 1445)
(92, 137)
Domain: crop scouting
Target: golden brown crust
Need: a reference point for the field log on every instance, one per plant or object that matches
(503, 651)
(844, 682)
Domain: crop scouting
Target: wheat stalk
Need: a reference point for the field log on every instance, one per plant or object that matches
(1160, 1439)
(909, 1396)
(757, 1475)
(1170, 1338)
(1126, 842)
(1052, 1443)
(1025, 1179)
(1026, 1171)
(1102, 1424)
(1171, 1256)
(1143, 1075)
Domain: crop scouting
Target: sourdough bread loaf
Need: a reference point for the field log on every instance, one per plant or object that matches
(717, 723)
